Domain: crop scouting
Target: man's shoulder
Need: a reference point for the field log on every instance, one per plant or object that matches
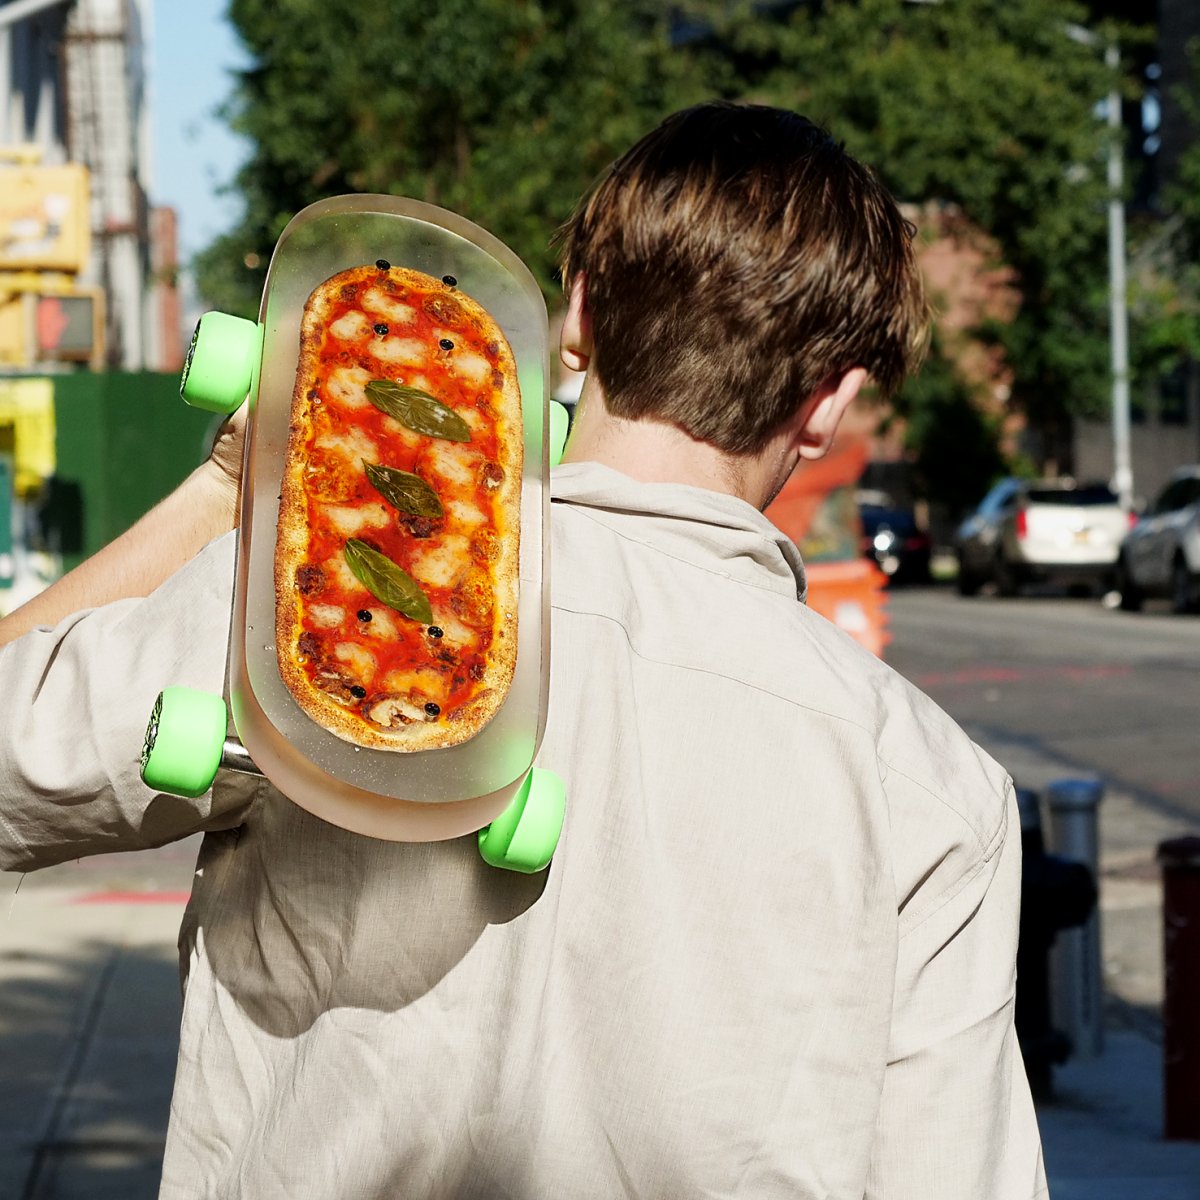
(762, 639)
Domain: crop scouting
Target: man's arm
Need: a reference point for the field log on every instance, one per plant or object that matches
(78, 698)
(85, 661)
(204, 506)
(956, 1118)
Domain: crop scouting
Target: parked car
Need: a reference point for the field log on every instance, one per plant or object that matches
(1160, 555)
(1053, 530)
(892, 539)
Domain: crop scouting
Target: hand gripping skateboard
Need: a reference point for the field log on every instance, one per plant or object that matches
(486, 785)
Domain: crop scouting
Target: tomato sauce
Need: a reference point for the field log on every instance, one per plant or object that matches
(458, 667)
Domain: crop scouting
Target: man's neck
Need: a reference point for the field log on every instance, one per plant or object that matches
(655, 452)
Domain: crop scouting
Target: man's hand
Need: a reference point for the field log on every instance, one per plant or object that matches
(206, 505)
(225, 459)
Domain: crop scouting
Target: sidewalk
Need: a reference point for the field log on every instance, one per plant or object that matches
(89, 1011)
(1102, 1135)
(89, 1019)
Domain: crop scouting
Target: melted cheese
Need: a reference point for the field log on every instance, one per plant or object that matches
(440, 565)
(358, 659)
(407, 682)
(474, 418)
(464, 513)
(383, 624)
(376, 300)
(347, 386)
(457, 463)
(337, 571)
(350, 326)
(403, 352)
(351, 444)
(354, 522)
(455, 634)
(468, 365)
(326, 616)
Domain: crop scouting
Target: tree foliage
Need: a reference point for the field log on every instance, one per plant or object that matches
(991, 106)
(504, 110)
(1165, 266)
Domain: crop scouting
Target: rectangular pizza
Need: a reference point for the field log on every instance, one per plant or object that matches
(396, 563)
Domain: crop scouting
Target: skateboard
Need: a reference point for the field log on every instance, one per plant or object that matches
(486, 786)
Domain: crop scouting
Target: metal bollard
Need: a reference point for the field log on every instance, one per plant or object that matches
(1077, 993)
(1180, 861)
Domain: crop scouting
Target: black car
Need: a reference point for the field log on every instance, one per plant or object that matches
(892, 539)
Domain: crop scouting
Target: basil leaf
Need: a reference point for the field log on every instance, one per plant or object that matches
(418, 410)
(406, 493)
(387, 582)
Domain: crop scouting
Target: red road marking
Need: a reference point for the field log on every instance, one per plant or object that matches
(996, 674)
(135, 898)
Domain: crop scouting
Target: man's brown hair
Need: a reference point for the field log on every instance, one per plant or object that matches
(736, 258)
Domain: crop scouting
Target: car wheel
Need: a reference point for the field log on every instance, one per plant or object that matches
(1007, 580)
(1183, 588)
(967, 582)
(1131, 594)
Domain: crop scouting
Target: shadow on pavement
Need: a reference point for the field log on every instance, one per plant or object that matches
(88, 1037)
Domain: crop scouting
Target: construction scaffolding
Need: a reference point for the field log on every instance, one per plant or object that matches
(73, 93)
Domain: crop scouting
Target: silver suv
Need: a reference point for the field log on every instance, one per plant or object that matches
(1046, 530)
(1160, 555)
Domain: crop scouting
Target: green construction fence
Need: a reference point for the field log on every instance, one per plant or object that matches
(123, 441)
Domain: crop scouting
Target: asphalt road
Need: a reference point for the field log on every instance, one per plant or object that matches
(1093, 689)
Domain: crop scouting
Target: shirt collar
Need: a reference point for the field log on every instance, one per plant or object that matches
(711, 530)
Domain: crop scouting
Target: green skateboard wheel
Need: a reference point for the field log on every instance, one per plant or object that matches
(524, 837)
(184, 742)
(560, 420)
(220, 362)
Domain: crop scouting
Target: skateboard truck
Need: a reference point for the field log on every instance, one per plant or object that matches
(487, 785)
(186, 746)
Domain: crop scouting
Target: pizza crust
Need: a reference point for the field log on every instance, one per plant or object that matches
(348, 717)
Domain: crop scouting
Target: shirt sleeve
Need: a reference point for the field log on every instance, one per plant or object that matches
(956, 1117)
(77, 701)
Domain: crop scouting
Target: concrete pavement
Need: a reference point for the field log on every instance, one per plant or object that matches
(89, 1017)
(89, 1010)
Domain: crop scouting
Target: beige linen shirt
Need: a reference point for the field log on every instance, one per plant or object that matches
(773, 955)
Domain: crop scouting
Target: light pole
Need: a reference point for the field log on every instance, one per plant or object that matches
(1117, 305)
(1118, 310)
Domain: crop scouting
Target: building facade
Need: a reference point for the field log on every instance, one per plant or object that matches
(74, 90)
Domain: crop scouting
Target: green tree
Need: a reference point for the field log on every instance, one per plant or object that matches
(505, 110)
(988, 105)
(502, 110)
(1165, 263)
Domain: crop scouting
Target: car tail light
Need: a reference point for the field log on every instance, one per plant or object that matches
(1022, 523)
(1133, 518)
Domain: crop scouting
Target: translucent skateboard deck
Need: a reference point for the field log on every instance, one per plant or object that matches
(428, 795)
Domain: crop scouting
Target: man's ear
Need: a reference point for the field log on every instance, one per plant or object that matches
(575, 341)
(824, 411)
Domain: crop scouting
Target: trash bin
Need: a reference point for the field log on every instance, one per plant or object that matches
(1180, 863)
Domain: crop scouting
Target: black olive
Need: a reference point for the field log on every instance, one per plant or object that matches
(446, 344)
(358, 692)
(432, 709)
(449, 280)
(383, 264)
(364, 614)
(380, 329)
(435, 632)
